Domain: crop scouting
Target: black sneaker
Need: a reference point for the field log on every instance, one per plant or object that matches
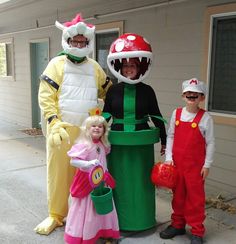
(196, 240)
(171, 232)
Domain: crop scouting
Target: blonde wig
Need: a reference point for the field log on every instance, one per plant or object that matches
(88, 123)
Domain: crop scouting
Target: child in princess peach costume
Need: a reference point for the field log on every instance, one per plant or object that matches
(84, 224)
(190, 147)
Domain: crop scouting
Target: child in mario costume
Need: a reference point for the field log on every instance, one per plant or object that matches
(190, 147)
(70, 85)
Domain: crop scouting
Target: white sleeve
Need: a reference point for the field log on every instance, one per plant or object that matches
(210, 142)
(170, 137)
(83, 164)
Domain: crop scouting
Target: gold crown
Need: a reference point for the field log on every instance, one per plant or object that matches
(95, 111)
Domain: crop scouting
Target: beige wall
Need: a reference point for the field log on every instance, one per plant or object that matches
(15, 96)
(176, 33)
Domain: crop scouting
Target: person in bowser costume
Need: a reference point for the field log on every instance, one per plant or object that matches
(131, 104)
(70, 86)
(190, 147)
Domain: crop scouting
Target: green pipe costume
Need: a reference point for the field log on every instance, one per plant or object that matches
(131, 162)
(132, 157)
(131, 104)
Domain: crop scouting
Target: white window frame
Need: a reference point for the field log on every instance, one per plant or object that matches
(10, 77)
(109, 27)
(211, 13)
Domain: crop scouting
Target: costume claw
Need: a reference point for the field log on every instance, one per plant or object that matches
(47, 226)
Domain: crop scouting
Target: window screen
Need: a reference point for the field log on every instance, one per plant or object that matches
(103, 43)
(222, 93)
(6, 59)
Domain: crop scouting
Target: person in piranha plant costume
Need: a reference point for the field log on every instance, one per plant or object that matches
(70, 86)
(131, 104)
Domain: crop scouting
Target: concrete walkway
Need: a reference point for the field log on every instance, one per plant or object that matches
(23, 198)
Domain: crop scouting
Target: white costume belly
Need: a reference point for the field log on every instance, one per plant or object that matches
(78, 92)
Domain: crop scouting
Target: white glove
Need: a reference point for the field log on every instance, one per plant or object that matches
(83, 164)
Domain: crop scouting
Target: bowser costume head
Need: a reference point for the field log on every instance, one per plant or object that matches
(126, 47)
(71, 29)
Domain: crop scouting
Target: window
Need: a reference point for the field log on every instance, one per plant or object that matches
(6, 59)
(223, 66)
(105, 35)
(221, 69)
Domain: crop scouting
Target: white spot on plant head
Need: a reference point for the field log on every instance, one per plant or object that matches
(146, 40)
(131, 37)
(119, 46)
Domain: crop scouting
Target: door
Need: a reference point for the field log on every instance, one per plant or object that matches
(39, 57)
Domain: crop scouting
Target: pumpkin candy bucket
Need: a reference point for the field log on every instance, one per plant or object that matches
(164, 175)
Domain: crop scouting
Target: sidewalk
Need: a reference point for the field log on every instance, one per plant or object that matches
(23, 198)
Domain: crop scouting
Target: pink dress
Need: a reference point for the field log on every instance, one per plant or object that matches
(83, 224)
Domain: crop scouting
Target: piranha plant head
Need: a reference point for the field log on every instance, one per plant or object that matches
(129, 46)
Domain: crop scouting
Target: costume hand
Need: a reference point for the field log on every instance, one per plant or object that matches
(204, 172)
(109, 179)
(163, 149)
(169, 162)
(93, 162)
(58, 133)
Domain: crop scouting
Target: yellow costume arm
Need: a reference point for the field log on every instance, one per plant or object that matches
(103, 82)
(48, 100)
(103, 88)
(51, 80)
